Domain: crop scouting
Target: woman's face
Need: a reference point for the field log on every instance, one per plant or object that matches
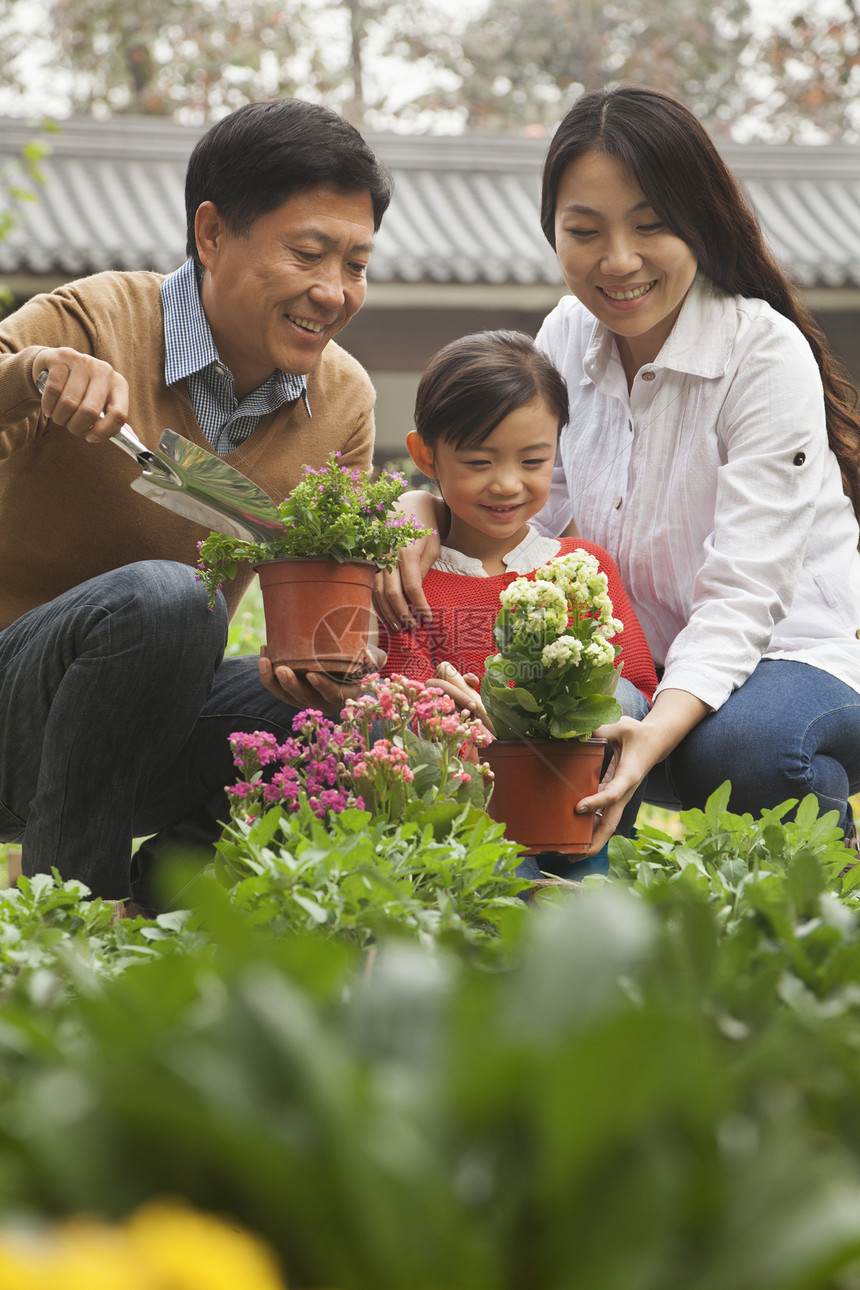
(617, 256)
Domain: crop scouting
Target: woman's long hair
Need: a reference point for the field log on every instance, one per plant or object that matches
(681, 173)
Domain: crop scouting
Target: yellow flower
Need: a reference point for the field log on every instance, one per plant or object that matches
(80, 1255)
(188, 1250)
(164, 1246)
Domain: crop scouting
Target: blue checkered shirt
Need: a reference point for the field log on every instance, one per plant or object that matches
(190, 355)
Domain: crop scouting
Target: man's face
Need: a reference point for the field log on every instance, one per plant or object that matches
(274, 297)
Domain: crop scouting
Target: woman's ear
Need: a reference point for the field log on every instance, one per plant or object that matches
(421, 453)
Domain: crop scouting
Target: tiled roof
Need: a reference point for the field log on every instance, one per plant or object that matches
(465, 209)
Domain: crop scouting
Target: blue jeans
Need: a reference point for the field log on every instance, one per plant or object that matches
(789, 730)
(633, 704)
(115, 709)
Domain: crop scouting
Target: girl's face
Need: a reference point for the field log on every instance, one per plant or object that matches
(618, 258)
(493, 490)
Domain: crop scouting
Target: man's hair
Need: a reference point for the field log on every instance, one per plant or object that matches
(475, 382)
(263, 153)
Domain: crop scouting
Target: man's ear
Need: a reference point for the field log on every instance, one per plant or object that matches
(421, 453)
(208, 232)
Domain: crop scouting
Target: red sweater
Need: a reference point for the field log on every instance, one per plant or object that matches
(465, 609)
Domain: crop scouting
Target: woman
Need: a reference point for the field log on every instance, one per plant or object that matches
(713, 449)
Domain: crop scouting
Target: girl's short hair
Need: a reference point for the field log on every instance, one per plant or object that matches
(473, 383)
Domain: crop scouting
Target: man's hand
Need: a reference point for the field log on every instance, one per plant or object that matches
(314, 689)
(82, 393)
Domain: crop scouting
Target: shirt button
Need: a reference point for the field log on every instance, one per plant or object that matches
(648, 376)
(857, 634)
(630, 426)
(800, 459)
(617, 503)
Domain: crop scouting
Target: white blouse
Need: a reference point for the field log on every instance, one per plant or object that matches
(712, 485)
(528, 555)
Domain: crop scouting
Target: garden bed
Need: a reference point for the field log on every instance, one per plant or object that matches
(361, 1047)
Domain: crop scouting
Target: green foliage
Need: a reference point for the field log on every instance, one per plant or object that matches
(443, 877)
(772, 888)
(332, 513)
(651, 1084)
(19, 183)
(428, 1124)
(54, 939)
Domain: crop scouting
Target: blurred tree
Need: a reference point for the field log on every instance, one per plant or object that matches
(483, 65)
(809, 73)
(200, 58)
(520, 64)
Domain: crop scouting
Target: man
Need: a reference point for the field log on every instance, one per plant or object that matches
(115, 699)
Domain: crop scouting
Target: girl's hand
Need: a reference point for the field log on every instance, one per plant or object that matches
(464, 690)
(314, 689)
(397, 594)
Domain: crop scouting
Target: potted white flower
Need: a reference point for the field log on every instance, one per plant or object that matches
(550, 685)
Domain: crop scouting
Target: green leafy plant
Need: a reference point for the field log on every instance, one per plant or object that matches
(54, 939)
(332, 513)
(555, 672)
(417, 1120)
(366, 880)
(361, 1048)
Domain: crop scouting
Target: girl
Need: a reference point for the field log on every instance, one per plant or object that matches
(487, 418)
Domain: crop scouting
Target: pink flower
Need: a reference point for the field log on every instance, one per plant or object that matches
(253, 751)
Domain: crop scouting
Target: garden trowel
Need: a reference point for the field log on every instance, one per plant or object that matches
(198, 485)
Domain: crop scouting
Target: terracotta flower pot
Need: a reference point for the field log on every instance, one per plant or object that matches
(317, 613)
(538, 784)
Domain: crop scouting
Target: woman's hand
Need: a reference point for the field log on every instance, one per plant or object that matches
(397, 594)
(636, 747)
(314, 689)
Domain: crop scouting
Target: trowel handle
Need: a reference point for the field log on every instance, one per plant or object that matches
(124, 438)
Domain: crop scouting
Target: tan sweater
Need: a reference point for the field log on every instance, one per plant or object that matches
(66, 510)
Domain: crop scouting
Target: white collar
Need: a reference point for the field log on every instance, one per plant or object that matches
(526, 556)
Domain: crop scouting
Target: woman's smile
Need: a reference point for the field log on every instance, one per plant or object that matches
(628, 295)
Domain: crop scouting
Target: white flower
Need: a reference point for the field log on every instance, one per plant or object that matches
(609, 627)
(537, 606)
(567, 649)
(599, 652)
(584, 584)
